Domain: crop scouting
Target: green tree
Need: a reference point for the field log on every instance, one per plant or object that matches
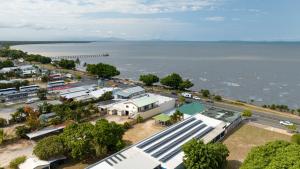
(21, 131)
(273, 155)
(107, 137)
(102, 70)
(139, 119)
(295, 139)
(6, 63)
(66, 64)
(149, 79)
(173, 80)
(176, 117)
(77, 139)
(205, 92)
(181, 100)
(186, 84)
(3, 122)
(49, 147)
(14, 164)
(19, 115)
(42, 94)
(247, 113)
(45, 78)
(218, 98)
(107, 96)
(1, 136)
(198, 155)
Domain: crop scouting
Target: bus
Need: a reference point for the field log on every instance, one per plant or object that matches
(56, 84)
(31, 88)
(7, 91)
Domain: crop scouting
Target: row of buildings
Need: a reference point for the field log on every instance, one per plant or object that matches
(131, 102)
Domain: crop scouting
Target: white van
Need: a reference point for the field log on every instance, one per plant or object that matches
(187, 95)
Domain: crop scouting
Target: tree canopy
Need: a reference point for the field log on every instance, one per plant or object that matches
(273, 155)
(66, 64)
(198, 155)
(77, 139)
(83, 140)
(175, 81)
(149, 79)
(102, 70)
(6, 63)
(49, 147)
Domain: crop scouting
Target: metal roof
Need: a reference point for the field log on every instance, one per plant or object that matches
(192, 108)
(130, 91)
(143, 101)
(44, 131)
(162, 117)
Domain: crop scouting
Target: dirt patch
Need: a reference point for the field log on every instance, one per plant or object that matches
(117, 119)
(11, 151)
(246, 137)
(141, 131)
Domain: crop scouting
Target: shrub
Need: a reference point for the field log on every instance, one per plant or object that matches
(1, 136)
(21, 131)
(3, 122)
(127, 125)
(247, 113)
(218, 98)
(139, 119)
(14, 164)
(296, 139)
(49, 147)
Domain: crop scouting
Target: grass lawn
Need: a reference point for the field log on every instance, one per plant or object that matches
(246, 137)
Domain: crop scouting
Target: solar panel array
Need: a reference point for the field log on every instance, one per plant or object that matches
(168, 143)
(115, 159)
(157, 137)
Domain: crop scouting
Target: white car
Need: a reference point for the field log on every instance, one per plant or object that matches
(286, 123)
(187, 95)
(196, 98)
(32, 100)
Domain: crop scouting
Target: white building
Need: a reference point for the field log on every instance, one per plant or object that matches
(98, 93)
(145, 106)
(27, 70)
(163, 150)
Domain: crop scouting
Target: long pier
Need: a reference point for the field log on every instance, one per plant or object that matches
(79, 56)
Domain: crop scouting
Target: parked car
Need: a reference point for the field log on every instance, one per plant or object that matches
(286, 123)
(187, 95)
(196, 98)
(32, 100)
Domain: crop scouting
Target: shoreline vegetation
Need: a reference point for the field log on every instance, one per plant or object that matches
(183, 85)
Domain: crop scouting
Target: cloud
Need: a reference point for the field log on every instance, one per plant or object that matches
(57, 16)
(215, 18)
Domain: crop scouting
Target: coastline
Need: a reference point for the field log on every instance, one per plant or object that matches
(225, 101)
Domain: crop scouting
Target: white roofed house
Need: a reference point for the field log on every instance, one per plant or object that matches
(27, 70)
(129, 92)
(145, 106)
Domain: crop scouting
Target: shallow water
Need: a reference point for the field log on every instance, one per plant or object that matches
(265, 72)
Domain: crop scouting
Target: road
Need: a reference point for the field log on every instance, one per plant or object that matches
(265, 118)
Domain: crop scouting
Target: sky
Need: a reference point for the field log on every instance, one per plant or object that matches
(188, 20)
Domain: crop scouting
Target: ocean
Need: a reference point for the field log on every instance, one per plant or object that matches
(266, 72)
